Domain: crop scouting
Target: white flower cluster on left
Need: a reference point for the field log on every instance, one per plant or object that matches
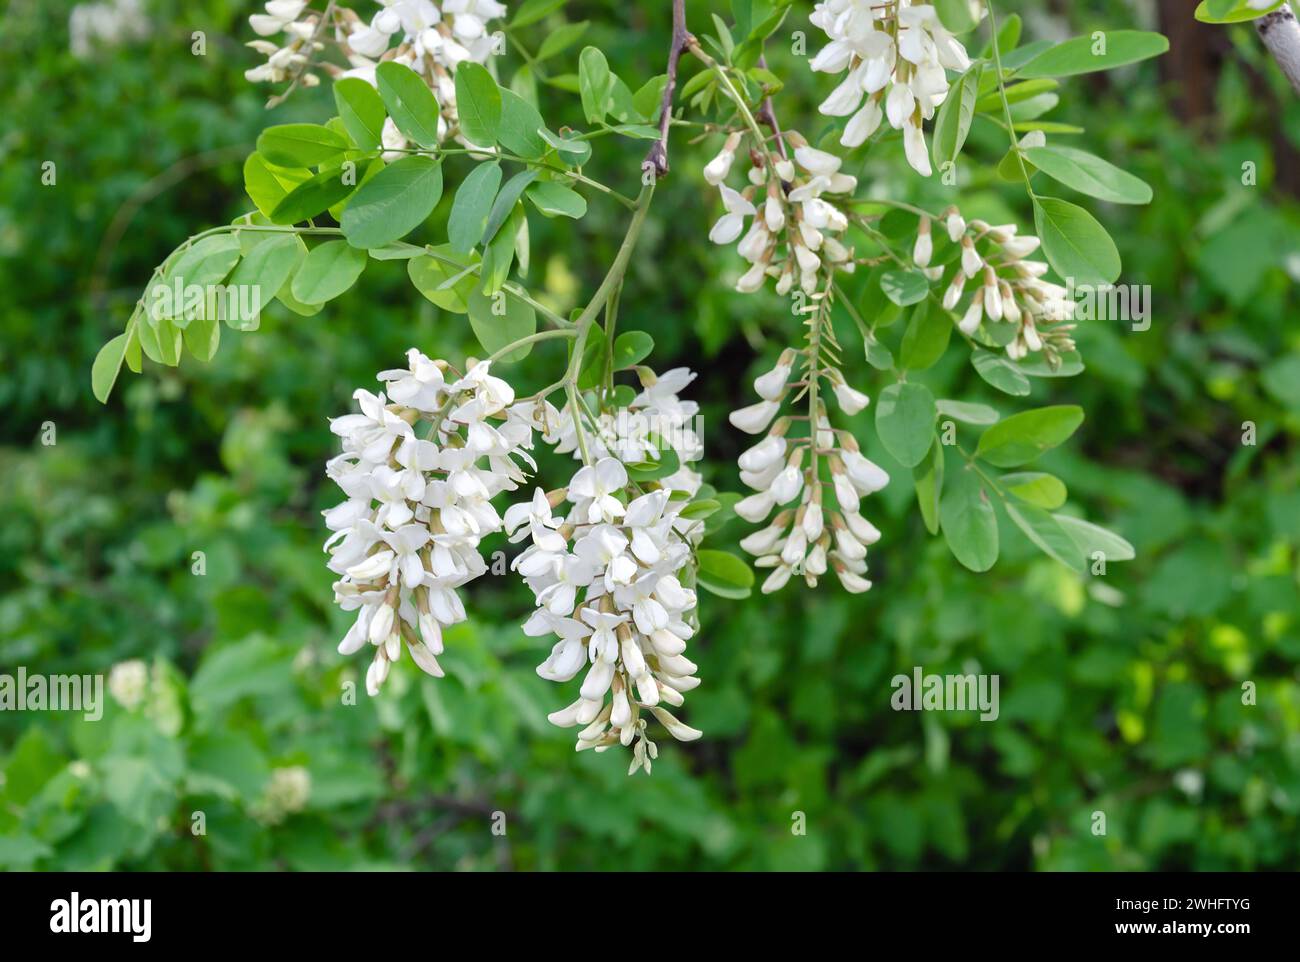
(430, 38)
(420, 467)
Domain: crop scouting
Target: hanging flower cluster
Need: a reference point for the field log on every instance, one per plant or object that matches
(810, 533)
(795, 227)
(605, 582)
(430, 38)
(420, 467)
(895, 54)
(1007, 286)
(300, 39)
(654, 419)
(109, 24)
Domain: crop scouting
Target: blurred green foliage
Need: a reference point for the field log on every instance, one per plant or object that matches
(1121, 693)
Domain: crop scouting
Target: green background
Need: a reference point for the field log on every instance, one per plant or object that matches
(1120, 693)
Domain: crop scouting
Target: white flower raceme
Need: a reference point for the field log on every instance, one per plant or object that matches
(431, 38)
(652, 421)
(607, 583)
(420, 467)
(818, 525)
(795, 227)
(297, 23)
(1008, 288)
(128, 683)
(895, 55)
(110, 24)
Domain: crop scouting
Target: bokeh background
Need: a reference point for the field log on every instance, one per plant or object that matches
(1120, 694)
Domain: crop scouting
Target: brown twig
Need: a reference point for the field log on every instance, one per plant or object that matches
(657, 159)
(768, 116)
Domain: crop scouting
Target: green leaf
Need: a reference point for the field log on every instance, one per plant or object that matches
(1090, 175)
(594, 83)
(556, 200)
(1016, 93)
(572, 151)
(103, 373)
(300, 145)
(362, 111)
(905, 415)
(1076, 245)
(1046, 533)
(631, 348)
(1024, 436)
(955, 15)
(267, 267)
(724, 574)
(400, 251)
(955, 115)
(393, 203)
(560, 39)
(410, 102)
(202, 336)
(311, 197)
(1100, 51)
(505, 202)
(1035, 487)
(500, 251)
(928, 478)
(531, 11)
(478, 104)
(667, 463)
(499, 319)
(699, 510)
(969, 523)
(999, 372)
(1008, 37)
(267, 184)
(446, 282)
(205, 262)
(520, 126)
(1091, 538)
(328, 270)
(228, 763)
(469, 211)
(905, 287)
(1231, 11)
(926, 338)
(968, 412)
(285, 297)
(649, 98)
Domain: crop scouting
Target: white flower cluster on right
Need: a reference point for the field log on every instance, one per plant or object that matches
(895, 54)
(813, 534)
(1008, 286)
(605, 582)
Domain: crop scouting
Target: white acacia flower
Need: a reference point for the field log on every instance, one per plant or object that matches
(630, 626)
(595, 487)
(755, 418)
(730, 224)
(407, 535)
(908, 74)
